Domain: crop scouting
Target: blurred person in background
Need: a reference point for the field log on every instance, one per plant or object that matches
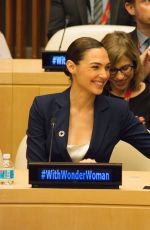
(140, 11)
(126, 75)
(83, 12)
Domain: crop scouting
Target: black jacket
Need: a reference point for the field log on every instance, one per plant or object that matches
(77, 10)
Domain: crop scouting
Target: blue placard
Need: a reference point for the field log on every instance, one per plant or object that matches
(79, 175)
(75, 175)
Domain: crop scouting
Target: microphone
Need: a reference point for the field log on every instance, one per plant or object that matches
(67, 20)
(53, 123)
(56, 60)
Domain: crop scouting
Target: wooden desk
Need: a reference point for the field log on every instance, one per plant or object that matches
(26, 208)
(20, 82)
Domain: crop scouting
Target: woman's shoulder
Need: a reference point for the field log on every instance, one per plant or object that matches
(50, 97)
(144, 94)
(45, 103)
(112, 102)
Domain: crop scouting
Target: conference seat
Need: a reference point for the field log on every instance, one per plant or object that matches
(4, 49)
(20, 160)
(130, 157)
(74, 32)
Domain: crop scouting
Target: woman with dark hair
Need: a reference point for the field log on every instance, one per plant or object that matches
(80, 124)
(127, 74)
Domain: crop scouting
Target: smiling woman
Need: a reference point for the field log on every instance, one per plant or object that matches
(88, 67)
(90, 122)
(126, 75)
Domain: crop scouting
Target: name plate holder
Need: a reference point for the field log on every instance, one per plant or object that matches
(53, 61)
(75, 175)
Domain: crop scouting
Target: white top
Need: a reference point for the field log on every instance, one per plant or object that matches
(77, 152)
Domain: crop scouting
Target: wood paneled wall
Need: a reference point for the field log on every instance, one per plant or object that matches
(25, 24)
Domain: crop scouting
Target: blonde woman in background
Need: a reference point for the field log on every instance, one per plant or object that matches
(127, 74)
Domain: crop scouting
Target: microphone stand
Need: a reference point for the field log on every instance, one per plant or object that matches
(51, 141)
(67, 19)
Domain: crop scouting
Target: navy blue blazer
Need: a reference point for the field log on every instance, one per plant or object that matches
(112, 121)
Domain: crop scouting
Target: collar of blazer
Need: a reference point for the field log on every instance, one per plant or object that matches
(63, 100)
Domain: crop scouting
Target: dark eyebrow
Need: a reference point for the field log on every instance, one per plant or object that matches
(98, 63)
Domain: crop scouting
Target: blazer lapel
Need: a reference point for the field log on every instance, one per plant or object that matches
(134, 37)
(101, 124)
(61, 113)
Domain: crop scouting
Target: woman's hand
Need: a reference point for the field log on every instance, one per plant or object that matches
(145, 60)
(88, 161)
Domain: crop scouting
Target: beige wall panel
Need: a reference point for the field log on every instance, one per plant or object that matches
(22, 99)
(5, 118)
(52, 89)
